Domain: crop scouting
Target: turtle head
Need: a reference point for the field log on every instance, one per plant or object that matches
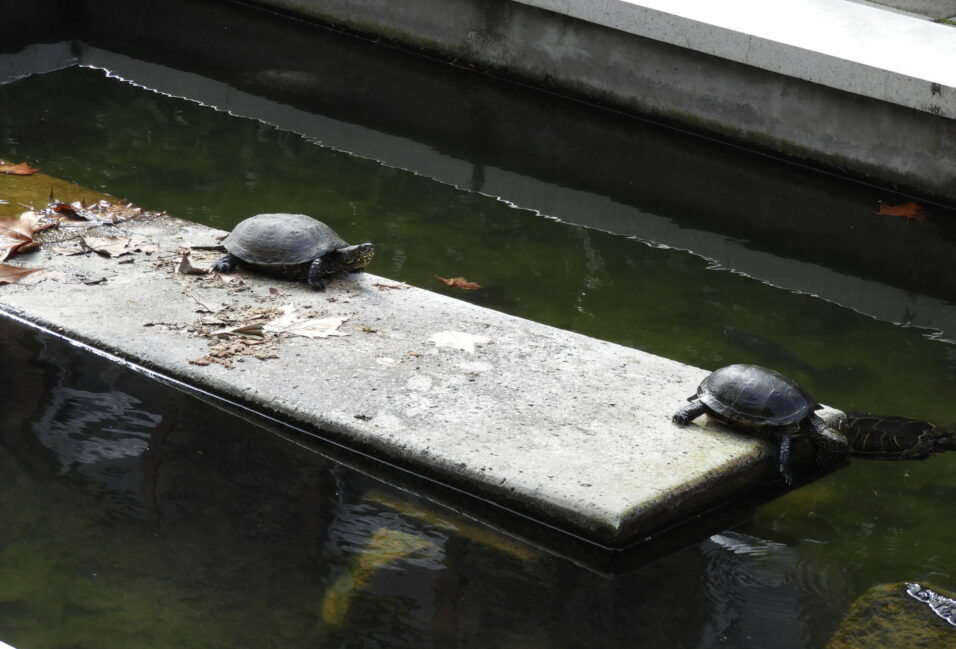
(358, 256)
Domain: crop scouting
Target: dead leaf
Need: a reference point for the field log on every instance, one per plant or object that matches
(67, 248)
(186, 266)
(16, 234)
(143, 245)
(20, 169)
(95, 282)
(13, 274)
(246, 331)
(100, 211)
(108, 246)
(910, 211)
(459, 282)
(44, 275)
(293, 323)
(68, 211)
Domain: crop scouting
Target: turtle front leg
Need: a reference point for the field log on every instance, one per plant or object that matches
(225, 264)
(691, 411)
(785, 459)
(318, 278)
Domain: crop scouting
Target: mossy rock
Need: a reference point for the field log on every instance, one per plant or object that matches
(886, 616)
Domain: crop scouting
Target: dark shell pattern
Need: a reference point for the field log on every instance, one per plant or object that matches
(755, 396)
(281, 239)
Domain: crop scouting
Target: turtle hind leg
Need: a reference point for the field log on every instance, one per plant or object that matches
(692, 410)
(225, 264)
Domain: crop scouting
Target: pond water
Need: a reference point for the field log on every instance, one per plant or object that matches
(133, 515)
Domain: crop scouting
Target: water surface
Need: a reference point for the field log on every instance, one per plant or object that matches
(134, 516)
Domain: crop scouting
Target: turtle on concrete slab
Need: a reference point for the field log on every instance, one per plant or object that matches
(294, 246)
(763, 402)
(888, 437)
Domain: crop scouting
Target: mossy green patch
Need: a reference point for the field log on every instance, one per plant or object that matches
(886, 617)
(19, 193)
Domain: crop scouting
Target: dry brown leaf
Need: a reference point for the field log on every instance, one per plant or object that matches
(19, 169)
(108, 246)
(186, 266)
(13, 274)
(291, 322)
(246, 331)
(910, 211)
(44, 275)
(143, 245)
(458, 282)
(16, 234)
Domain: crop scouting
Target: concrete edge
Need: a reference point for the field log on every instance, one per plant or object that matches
(834, 43)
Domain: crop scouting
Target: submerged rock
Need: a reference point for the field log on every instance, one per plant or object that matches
(898, 616)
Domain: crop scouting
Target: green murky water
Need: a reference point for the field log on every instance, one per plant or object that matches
(144, 533)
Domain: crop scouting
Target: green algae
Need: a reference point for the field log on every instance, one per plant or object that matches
(21, 193)
(887, 617)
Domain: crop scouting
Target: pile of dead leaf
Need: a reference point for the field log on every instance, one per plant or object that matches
(60, 221)
(235, 333)
(98, 213)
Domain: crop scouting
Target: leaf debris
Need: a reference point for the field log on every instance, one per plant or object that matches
(13, 274)
(19, 169)
(910, 211)
(458, 282)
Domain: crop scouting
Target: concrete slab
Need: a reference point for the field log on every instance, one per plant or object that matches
(571, 431)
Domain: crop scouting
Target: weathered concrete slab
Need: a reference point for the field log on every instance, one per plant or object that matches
(573, 431)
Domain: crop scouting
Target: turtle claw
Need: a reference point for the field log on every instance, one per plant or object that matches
(691, 411)
(225, 264)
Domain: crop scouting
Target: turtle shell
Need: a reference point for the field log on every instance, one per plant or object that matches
(281, 239)
(750, 395)
(891, 437)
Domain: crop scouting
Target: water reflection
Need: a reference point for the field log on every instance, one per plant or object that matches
(131, 511)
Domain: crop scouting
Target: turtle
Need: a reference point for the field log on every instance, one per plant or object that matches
(888, 437)
(765, 403)
(295, 246)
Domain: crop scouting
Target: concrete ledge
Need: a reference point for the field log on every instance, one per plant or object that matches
(857, 48)
(571, 431)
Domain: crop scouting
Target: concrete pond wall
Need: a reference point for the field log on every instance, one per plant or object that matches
(820, 81)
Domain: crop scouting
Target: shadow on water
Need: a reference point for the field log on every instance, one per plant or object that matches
(152, 520)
